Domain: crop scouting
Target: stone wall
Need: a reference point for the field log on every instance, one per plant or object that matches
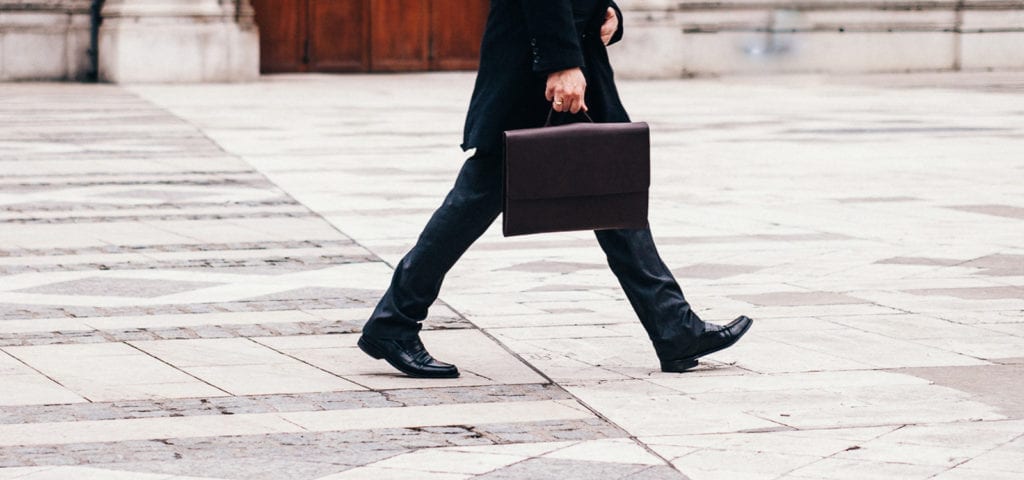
(216, 40)
(44, 39)
(137, 40)
(673, 38)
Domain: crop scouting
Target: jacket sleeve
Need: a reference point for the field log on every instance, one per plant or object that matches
(618, 33)
(553, 40)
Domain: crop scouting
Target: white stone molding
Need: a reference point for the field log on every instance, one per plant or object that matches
(177, 41)
(672, 38)
(56, 32)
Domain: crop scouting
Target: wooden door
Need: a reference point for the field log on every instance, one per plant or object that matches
(456, 27)
(282, 25)
(400, 35)
(369, 35)
(338, 35)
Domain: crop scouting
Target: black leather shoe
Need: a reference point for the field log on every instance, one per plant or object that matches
(714, 338)
(408, 356)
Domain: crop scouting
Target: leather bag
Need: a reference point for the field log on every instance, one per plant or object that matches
(580, 176)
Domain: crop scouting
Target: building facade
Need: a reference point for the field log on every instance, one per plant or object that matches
(235, 40)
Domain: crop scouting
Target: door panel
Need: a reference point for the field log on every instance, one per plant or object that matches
(369, 35)
(339, 35)
(400, 36)
(282, 25)
(456, 27)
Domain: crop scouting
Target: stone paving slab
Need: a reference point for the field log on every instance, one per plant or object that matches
(168, 312)
(851, 219)
(870, 224)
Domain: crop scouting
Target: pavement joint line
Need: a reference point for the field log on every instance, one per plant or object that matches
(578, 399)
(997, 447)
(165, 362)
(48, 377)
(333, 374)
(389, 264)
(791, 250)
(833, 454)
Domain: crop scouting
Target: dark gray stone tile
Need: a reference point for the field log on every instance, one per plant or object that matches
(119, 287)
(713, 271)
(796, 299)
(999, 265)
(560, 288)
(782, 237)
(997, 385)
(972, 293)
(925, 261)
(554, 267)
(877, 199)
(231, 457)
(241, 467)
(156, 194)
(1007, 211)
(293, 402)
(310, 293)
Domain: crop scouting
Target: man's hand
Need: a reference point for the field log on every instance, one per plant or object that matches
(610, 26)
(566, 89)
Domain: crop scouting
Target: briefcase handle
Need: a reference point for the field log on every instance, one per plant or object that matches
(547, 123)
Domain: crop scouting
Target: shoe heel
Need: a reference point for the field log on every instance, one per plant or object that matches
(369, 349)
(678, 366)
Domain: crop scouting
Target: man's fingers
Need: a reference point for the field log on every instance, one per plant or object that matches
(562, 101)
(577, 104)
(610, 25)
(606, 33)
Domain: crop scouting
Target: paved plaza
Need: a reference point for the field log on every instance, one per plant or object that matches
(184, 270)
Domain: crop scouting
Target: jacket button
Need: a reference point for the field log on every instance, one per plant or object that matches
(533, 41)
(536, 60)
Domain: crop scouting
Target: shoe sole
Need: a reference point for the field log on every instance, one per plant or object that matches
(372, 351)
(684, 364)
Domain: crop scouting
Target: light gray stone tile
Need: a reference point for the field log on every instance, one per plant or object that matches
(615, 450)
(550, 468)
(34, 389)
(111, 371)
(724, 464)
(835, 468)
(449, 461)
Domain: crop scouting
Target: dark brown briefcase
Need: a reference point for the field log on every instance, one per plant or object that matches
(581, 176)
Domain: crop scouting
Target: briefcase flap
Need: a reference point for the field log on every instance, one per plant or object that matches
(580, 159)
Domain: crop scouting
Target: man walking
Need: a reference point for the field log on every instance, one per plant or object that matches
(537, 55)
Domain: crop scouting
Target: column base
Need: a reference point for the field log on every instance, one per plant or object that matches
(47, 42)
(177, 50)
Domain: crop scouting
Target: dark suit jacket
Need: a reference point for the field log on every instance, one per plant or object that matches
(524, 41)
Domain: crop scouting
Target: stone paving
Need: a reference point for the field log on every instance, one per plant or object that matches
(185, 270)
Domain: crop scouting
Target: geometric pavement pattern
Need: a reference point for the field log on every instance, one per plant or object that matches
(185, 270)
(167, 312)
